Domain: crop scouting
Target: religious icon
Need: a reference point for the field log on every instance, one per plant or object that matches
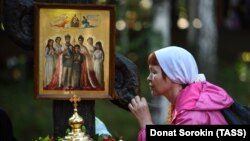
(75, 21)
(75, 54)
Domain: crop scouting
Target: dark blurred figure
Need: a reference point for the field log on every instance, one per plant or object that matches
(6, 130)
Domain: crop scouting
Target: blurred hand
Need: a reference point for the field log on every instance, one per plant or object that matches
(139, 107)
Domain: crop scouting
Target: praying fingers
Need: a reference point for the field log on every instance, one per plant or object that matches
(139, 107)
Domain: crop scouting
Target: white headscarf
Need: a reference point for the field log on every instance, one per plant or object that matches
(179, 65)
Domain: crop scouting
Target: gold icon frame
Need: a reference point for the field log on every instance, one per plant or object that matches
(54, 20)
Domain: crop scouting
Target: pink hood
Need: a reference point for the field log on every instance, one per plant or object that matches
(201, 96)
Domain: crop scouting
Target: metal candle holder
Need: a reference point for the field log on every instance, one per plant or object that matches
(76, 122)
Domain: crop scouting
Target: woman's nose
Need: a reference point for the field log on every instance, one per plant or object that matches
(149, 77)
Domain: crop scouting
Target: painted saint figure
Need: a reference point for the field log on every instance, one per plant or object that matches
(75, 21)
(88, 79)
(91, 46)
(49, 62)
(84, 70)
(57, 73)
(76, 67)
(98, 57)
(85, 22)
(67, 60)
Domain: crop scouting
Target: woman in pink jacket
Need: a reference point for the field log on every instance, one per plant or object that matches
(173, 73)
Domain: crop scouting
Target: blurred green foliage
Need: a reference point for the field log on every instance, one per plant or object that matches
(30, 118)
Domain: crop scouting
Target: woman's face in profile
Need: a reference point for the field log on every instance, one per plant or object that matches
(159, 85)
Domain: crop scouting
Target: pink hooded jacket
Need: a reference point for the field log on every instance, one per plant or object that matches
(198, 104)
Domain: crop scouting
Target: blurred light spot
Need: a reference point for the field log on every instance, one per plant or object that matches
(243, 73)
(197, 23)
(146, 4)
(2, 27)
(11, 62)
(101, 1)
(242, 69)
(138, 26)
(243, 77)
(182, 23)
(120, 25)
(245, 56)
(16, 75)
(133, 56)
(131, 14)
